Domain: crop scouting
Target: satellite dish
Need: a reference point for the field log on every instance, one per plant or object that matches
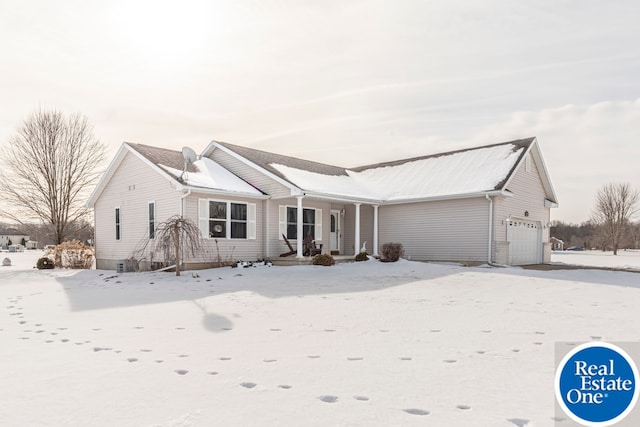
(189, 156)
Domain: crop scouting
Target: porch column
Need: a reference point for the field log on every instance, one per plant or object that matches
(356, 243)
(375, 230)
(299, 229)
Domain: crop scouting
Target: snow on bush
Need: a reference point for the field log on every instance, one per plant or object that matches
(72, 254)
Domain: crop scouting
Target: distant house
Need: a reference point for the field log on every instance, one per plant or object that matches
(556, 244)
(11, 236)
(479, 205)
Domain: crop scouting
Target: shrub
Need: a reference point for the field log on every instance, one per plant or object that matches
(391, 252)
(44, 263)
(362, 256)
(323, 259)
(71, 254)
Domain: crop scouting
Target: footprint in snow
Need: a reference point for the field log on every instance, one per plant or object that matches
(224, 358)
(181, 371)
(435, 330)
(248, 385)
(540, 333)
(463, 407)
(355, 358)
(183, 355)
(269, 360)
(275, 330)
(558, 419)
(138, 327)
(132, 359)
(159, 361)
(480, 351)
(212, 373)
(537, 343)
(516, 350)
(145, 350)
(284, 386)
(406, 358)
(64, 340)
(361, 398)
(313, 356)
(520, 422)
(384, 330)
(329, 330)
(487, 331)
(329, 399)
(449, 361)
(414, 411)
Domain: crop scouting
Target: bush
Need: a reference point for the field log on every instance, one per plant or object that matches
(391, 252)
(323, 259)
(362, 256)
(71, 254)
(44, 263)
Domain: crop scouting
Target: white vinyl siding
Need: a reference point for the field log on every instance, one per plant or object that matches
(528, 196)
(439, 231)
(132, 186)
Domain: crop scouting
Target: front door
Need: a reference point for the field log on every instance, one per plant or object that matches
(334, 235)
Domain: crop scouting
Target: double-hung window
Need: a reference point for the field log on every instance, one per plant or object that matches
(226, 219)
(311, 222)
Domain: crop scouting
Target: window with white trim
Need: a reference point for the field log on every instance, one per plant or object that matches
(220, 219)
(152, 220)
(118, 224)
(311, 222)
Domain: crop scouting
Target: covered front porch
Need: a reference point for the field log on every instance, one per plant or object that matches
(342, 227)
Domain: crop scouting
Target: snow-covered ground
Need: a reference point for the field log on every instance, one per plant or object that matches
(629, 259)
(359, 344)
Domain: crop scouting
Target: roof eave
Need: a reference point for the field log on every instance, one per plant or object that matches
(213, 145)
(490, 193)
(227, 193)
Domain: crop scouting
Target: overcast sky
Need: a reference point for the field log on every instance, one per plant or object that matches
(346, 82)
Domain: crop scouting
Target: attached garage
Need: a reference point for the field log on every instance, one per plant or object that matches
(525, 242)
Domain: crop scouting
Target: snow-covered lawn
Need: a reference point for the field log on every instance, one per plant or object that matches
(366, 344)
(629, 259)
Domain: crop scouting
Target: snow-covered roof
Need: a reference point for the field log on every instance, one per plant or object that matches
(453, 174)
(210, 175)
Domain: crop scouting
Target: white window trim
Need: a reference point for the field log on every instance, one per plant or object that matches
(155, 221)
(283, 223)
(118, 223)
(203, 219)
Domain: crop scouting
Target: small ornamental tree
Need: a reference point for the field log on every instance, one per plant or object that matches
(176, 238)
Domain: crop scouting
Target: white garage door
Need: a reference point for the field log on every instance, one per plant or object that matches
(524, 242)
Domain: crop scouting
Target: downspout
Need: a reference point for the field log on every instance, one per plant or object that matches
(182, 209)
(184, 196)
(490, 244)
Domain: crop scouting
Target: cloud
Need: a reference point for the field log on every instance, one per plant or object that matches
(585, 147)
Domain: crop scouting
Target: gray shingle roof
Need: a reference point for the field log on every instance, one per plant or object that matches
(266, 160)
(163, 156)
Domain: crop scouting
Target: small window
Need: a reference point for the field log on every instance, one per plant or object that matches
(152, 220)
(117, 223)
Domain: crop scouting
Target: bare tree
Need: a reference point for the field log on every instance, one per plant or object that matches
(175, 238)
(48, 168)
(616, 204)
